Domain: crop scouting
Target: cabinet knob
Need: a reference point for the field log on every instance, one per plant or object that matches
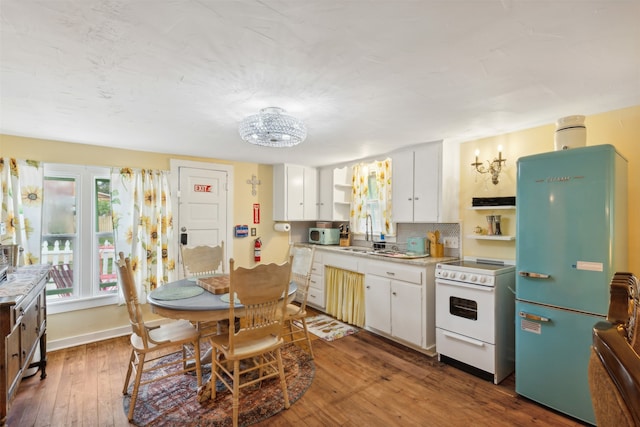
(393, 293)
(409, 199)
(416, 198)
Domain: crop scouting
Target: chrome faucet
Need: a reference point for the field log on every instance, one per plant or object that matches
(368, 224)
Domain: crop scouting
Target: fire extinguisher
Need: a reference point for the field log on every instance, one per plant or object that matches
(257, 245)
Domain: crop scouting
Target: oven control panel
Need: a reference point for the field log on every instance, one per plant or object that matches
(467, 277)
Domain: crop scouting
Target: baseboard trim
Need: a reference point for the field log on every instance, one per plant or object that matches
(95, 336)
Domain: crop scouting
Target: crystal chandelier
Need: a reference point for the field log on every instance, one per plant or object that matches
(272, 127)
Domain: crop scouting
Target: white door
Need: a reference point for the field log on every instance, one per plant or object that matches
(203, 206)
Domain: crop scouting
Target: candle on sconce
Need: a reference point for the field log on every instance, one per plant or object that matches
(499, 152)
(477, 154)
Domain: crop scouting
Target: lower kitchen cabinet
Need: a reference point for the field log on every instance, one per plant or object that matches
(23, 325)
(394, 301)
(316, 296)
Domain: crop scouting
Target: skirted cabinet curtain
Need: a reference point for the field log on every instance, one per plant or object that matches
(143, 225)
(21, 201)
(345, 295)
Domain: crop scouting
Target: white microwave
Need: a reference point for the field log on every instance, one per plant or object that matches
(324, 236)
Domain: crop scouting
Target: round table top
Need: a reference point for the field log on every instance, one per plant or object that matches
(205, 306)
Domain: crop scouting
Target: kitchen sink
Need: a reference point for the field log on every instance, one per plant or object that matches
(356, 249)
(390, 253)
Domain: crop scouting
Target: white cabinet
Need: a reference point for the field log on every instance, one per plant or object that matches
(417, 183)
(394, 297)
(334, 193)
(295, 193)
(325, 194)
(316, 294)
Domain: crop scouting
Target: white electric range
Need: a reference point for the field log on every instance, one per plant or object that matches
(475, 305)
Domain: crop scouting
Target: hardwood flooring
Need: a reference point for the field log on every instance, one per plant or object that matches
(361, 380)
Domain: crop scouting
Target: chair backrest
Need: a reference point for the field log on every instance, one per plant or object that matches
(131, 299)
(62, 275)
(202, 260)
(262, 290)
(614, 367)
(301, 271)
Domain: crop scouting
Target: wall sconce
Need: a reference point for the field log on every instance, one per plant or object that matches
(494, 168)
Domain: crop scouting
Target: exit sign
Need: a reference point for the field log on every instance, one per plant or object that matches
(201, 188)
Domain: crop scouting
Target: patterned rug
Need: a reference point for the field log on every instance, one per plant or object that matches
(173, 401)
(328, 328)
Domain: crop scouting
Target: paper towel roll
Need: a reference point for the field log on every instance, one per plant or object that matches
(282, 226)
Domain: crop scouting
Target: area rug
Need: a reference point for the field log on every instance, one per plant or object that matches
(172, 402)
(328, 328)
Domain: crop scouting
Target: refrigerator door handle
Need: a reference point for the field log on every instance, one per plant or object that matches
(530, 316)
(534, 275)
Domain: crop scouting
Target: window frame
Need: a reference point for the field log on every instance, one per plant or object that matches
(86, 290)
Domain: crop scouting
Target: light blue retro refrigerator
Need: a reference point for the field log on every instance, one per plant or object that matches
(571, 238)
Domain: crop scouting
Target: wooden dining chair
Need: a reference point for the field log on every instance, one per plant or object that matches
(257, 339)
(163, 344)
(295, 324)
(202, 260)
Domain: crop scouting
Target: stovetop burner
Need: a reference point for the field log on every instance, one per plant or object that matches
(474, 269)
(477, 265)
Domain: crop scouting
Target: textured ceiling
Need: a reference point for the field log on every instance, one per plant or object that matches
(366, 76)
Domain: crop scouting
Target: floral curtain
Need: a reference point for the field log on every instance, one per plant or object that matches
(143, 225)
(21, 201)
(371, 195)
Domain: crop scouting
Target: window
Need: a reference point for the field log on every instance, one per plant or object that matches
(77, 237)
(371, 199)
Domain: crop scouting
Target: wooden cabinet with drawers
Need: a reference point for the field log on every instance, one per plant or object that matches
(23, 323)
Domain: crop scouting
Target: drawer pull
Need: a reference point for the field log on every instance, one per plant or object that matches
(15, 355)
(463, 339)
(390, 273)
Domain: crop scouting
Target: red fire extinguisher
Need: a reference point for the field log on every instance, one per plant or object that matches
(257, 245)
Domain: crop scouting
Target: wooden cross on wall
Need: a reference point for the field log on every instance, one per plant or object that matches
(253, 182)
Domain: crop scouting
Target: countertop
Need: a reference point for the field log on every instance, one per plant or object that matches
(21, 281)
(421, 262)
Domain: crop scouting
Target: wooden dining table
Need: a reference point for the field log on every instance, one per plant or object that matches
(204, 306)
(181, 300)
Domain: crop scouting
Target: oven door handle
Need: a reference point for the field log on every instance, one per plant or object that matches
(464, 285)
(463, 339)
(534, 275)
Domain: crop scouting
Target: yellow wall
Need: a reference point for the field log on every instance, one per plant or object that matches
(620, 128)
(275, 245)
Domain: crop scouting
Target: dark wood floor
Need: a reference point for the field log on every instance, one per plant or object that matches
(361, 380)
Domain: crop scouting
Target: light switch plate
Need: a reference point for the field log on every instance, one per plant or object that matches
(253, 231)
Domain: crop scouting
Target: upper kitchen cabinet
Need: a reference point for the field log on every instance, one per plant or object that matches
(295, 193)
(417, 183)
(335, 193)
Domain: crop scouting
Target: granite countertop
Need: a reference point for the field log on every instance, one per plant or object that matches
(21, 281)
(363, 252)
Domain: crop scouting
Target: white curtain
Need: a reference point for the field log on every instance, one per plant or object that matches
(143, 225)
(21, 201)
